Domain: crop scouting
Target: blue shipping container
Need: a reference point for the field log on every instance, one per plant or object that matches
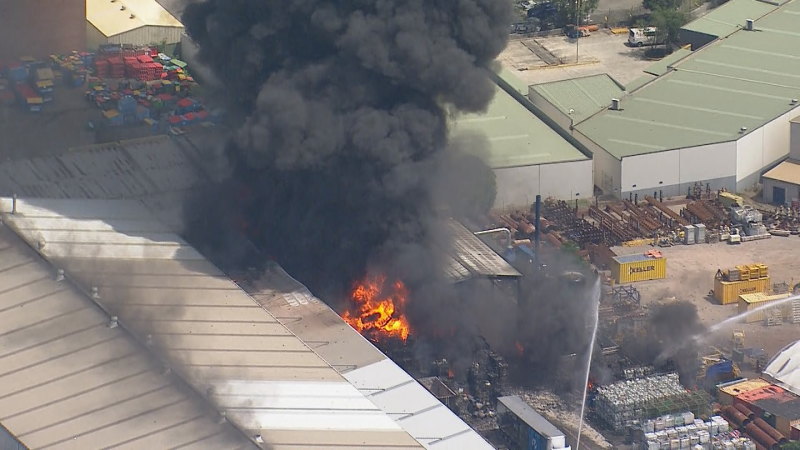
(536, 441)
(719, 370)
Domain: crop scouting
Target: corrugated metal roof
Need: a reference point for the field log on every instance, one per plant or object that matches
(730, 17)
(510, 78)
(784, 368)
(120, 230)
(477, 257)
(378, 378)
(516, 137)
(265, 379)
(583, 96)
(787, 171)
(745, 80)
(535, 420)
(113, 18)
(130, 169)
(665, 64)
(67, 380)
(639, 82)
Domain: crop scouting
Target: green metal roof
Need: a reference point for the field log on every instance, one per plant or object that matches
(730, 17)
(661, 67)
(584, 96)
(744, 80)
(516, 136)
(513, 81)
(639, 82)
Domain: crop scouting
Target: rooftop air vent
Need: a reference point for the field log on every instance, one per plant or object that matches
(748, 24)
(794, 101)
(742, 130)
(122, 8)
(133, 16)
(615, 104)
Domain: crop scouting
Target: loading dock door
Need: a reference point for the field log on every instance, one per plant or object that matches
(778, 195)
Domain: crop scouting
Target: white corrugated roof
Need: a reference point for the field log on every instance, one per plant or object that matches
(68, 381)
(158, 171)
(784, 368)
(370, 371)
(265, 379)
(113, 17)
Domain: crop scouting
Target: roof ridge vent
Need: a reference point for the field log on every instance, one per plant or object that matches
(748, 24)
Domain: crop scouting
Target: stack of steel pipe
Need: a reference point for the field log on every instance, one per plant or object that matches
(736, 417)
(770, 430)
(761, 436)
(745, 410)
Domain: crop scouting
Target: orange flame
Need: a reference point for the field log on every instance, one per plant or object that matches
(451, 374)
(520, 349)
(379, 309)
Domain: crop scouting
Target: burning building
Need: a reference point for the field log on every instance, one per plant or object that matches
(266, 363)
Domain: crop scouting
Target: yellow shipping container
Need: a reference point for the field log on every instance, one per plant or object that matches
(749, 302)
(727, 393)
(727, 292)
(630, 268)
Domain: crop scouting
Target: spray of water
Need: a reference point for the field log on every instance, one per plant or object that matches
(718, 326)
(595, 300)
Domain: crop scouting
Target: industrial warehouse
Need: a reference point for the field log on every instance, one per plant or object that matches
(251, 239)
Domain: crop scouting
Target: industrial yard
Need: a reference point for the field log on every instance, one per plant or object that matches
(337, 242)
(691, 276)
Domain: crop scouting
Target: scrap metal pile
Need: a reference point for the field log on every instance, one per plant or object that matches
(630, 222)
(785, 218)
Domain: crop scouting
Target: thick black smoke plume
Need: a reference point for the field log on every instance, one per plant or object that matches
(344, 128)
(669, 341)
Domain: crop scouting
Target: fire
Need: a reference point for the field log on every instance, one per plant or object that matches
(377, 309)
(520, 349)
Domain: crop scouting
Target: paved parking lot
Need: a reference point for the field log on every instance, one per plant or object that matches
(601, 52)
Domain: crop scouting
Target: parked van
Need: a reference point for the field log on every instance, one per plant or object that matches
(638, 37)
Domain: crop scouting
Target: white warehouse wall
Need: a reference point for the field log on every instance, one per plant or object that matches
(707, 162)
(762, 148)
(607, 169)
(518, 186)
(651, 171)
(674, 171)
(794, 139)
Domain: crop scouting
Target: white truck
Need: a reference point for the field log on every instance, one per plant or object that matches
(639, 37)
